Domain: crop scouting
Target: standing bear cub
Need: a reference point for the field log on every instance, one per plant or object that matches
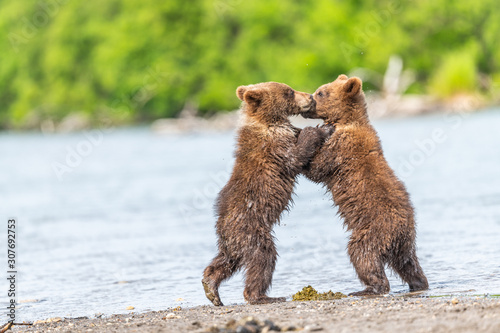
(372, 201)
(270, 154)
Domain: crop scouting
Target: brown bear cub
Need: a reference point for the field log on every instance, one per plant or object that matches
(270, 154)
(372, 201)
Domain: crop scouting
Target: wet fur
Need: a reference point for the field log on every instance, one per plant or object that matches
(373, 202)
(270, 154)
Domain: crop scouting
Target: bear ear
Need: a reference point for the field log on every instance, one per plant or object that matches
(342, 77)
(241, 91)
(352, 87)
(253, 97)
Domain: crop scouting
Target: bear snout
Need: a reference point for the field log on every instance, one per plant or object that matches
(313, 102)
(306, 102)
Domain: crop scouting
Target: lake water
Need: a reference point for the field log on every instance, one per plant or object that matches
(125, 218)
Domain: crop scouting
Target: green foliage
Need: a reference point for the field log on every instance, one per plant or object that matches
(137, 60)
(456, 75)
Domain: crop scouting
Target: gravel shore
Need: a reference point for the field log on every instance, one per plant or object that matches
(382, 314)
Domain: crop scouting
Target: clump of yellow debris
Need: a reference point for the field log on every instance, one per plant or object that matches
(310, 294)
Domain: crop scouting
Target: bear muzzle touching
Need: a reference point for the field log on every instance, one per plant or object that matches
(311, 112)
(332, 99)
(305, 101)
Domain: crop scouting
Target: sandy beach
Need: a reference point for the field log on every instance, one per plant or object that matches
(381, 314)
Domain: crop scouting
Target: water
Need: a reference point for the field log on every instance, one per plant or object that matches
(132, 223)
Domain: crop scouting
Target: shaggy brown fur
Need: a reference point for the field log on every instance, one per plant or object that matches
(372, 200)
(270, 153)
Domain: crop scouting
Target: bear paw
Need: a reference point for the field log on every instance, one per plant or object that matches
(211, 293)
(266, 300)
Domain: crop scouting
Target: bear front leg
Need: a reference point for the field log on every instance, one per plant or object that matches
(260, 264)
(309, 141)
(319, 165)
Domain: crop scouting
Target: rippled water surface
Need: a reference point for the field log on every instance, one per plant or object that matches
(132, 223)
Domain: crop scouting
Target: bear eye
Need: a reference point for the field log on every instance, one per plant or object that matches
(291, 92)
(320, 94)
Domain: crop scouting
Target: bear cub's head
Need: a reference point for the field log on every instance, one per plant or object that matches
(340, 102)
(273, 102)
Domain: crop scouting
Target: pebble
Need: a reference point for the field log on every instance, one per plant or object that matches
(454, 301)
(46, 321)
(270, 325)
(130, 308)
(248, 321)
(171, 316)
(313, 328)
(247, 329)
(29, 301)
(250, 325)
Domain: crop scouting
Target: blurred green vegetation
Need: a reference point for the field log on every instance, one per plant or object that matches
(456, 74)
(129, 61)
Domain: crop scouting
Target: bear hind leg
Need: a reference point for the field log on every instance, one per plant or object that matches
(406, 265)
(259, 273)
(369, 267)
(220, 269)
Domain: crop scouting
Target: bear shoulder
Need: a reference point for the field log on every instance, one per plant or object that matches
(356, 138)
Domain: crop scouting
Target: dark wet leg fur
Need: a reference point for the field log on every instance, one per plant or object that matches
(259, 273)
(220, 269)
(408, 268)
(369, 267)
